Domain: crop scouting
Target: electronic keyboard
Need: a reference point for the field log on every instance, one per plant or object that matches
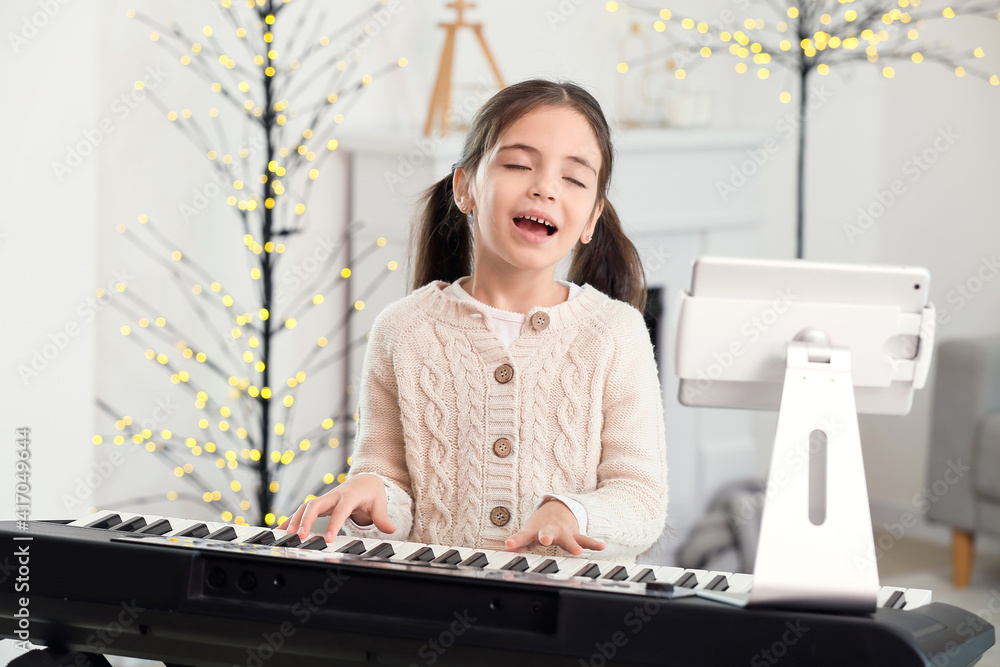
(192, 592)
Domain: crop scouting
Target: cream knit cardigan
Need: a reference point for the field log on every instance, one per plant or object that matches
(583, 411)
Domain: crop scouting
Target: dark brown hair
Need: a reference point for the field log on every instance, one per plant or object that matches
(442, 234)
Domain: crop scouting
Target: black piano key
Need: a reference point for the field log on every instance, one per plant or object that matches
(224, 534)
(618, 573)
(158, 527)
(355, 547)
(519, 564)
(547, 566)
(288, 540)
(422, 555)
(687, 580)
(314, 543)
(383, 550)
(895, 601)
(129, 526)
(105, 522)
(646, 576)
(718, 583)
(194, 530)
(449, 557)
(264, 537)
(590, 570)
(477, 560)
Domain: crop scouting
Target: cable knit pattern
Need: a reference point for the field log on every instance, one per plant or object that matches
(471, 410)
(436, 416)
(583, 413)
(568, 411)
(534, 431)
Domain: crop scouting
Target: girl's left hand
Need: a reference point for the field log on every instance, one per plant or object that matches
(552, 523)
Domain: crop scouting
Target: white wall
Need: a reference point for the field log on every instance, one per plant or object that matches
(47, 246)
(70, 75)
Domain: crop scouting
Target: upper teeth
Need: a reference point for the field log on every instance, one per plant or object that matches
(544, 222)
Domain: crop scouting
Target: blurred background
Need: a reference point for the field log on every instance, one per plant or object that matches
(144, 140)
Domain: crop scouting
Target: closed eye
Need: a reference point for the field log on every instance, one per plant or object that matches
(576, 182)
(516, 166)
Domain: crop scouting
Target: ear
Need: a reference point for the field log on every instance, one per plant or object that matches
(588, 229)
(461, 186)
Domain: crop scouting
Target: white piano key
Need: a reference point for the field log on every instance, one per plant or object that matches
(740, 583)
(90, 518)
(917, 597)
(666, 574)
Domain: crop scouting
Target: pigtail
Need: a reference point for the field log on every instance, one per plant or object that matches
(610, 262)
(441, 244)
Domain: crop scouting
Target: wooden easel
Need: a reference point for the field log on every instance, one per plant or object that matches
(441, 97)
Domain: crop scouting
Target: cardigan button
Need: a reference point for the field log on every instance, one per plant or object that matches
(504, 373)
(500, 516)
(503, 447)
(540, 321)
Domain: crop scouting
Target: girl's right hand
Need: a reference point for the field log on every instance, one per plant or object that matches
(362, 498)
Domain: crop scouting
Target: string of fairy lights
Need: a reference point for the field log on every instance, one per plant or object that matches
(812, 36)
(815, 35)
(290, 130)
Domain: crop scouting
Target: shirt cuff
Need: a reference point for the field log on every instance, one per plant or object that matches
(575, 506)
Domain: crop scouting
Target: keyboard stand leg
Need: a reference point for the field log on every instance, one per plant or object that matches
(48, 657)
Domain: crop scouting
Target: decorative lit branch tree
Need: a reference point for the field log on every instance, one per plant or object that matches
(287, 133)
(816, 36)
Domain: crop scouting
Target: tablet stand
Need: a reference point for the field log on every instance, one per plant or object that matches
(816, 549)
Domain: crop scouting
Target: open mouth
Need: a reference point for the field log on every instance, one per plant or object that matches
(534, 225)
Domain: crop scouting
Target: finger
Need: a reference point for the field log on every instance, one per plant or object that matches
(293, 522)
(567, 542)
(339, 515)
(316, 508)
(589, 542)
(380, 516)
(518, 540)
(545, 537)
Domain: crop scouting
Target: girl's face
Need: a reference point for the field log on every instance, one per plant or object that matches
(534, 195)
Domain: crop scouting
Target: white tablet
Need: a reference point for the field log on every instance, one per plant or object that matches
(732, 328)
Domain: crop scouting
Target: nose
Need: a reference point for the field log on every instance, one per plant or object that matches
(544, 188)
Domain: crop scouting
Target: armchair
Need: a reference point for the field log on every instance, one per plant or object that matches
(963, 473)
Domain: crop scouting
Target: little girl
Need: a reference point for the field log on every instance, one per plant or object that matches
(501, 408)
